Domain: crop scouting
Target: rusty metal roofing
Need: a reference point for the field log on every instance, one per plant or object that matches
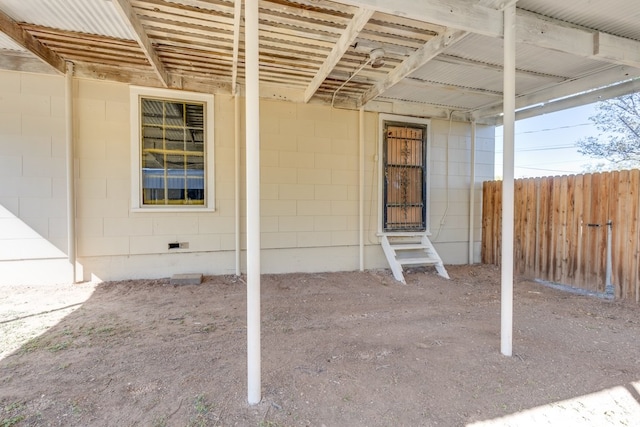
(427, 59)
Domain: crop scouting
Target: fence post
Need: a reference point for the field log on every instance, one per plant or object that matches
(608, 286)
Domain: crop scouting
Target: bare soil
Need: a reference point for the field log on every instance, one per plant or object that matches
(338, 349)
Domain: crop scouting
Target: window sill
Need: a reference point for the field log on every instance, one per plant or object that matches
(173, 209)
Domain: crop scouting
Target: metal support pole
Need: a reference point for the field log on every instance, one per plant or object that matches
(509, 92)
(361, 186)
(236, 101)
(252, 132)
(472, 190)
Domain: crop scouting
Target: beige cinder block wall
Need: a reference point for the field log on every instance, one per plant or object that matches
(310, 161)
(450, 186)
(309, 172)
(115, 242)
(33, 229)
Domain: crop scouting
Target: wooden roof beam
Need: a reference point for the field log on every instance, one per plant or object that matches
(359, 20)
(426, 53)
(131, 18)
(12, 29)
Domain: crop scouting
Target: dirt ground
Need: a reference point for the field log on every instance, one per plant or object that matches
(338, 349)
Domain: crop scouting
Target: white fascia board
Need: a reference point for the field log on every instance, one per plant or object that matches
(580, 85)
(582, 99)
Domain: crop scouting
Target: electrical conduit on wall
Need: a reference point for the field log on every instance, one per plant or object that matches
(71, 193)
(236, 101)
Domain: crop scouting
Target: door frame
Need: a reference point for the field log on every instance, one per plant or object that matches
(382, 119)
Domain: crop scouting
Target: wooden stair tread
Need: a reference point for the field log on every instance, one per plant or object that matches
(421, 260)
(403, 249)
(408, 246)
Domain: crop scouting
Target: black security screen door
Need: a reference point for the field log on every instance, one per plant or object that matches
(404, 177)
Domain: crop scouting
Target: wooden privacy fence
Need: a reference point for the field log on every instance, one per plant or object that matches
(562, 225)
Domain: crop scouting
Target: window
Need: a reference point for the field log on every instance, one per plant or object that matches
(172, 149)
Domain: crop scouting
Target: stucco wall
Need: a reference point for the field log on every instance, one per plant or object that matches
(309, 174)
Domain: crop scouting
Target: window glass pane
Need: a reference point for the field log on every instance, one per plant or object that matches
(174, 114)
(174, 161)
(175, 139)
(151, 111)
(195, 163)
(153, 184)
(173, 153)
(195, 116)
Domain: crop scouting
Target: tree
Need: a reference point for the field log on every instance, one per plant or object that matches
(618, 121)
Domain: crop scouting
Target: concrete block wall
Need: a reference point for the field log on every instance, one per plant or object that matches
(33, 225)
(450, 197)
(116, 242)
(309, 189)
(309, 173)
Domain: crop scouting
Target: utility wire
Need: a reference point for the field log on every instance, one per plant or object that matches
(549, 170)
(550, 147)
(550, 129)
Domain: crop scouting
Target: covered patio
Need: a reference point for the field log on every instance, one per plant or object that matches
(482, 63)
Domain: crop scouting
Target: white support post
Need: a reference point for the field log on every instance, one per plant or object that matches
(506, 303)
(236, 100)
(361, 185)
(252, 132)
(472, 190)
(71, 192)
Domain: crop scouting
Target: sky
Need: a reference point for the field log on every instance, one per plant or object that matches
(546, 145)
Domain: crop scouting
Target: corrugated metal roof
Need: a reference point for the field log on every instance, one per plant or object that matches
(457, 100)
(192, 48)
(8, 44)
(528, 57)
(468, 76)
(619, 17)
(86, 16)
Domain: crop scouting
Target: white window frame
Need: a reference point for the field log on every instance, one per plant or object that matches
(382, 118)
(135, 94)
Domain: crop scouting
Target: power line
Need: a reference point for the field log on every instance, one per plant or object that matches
(559, 162)
(550, 147)
(550, 129)
(549, 170)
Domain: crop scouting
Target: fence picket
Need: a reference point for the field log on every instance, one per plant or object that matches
(561, 229)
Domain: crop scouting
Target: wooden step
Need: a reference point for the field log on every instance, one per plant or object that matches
(417, 261)
(410, 249)
(408, 246)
